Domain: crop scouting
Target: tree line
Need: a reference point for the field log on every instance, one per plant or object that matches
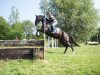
(14, 28)
(76, 17)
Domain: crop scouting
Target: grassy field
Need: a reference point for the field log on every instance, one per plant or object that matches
(86, 61)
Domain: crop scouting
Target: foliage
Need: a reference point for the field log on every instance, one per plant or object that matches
(86, 61)
(28, 28)
(5, 29)
(17, 31)
(45, 5)
(14, 17)
(78, 18)
(15, 28)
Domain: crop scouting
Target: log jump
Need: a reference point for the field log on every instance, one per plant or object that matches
(28, 49)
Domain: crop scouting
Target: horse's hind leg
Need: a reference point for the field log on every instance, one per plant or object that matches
(66, 49)
(71, 47)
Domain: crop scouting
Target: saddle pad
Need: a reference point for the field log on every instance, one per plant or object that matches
(57, 30)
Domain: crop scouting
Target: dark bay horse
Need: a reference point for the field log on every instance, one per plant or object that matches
(65, 39)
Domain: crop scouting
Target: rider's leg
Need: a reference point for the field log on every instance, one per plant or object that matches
(53, 25)
(51, 28)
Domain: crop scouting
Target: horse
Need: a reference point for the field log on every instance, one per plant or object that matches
(65, 39)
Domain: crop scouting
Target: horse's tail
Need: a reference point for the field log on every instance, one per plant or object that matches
(73, 40)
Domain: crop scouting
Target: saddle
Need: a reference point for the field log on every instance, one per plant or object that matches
(57, 30)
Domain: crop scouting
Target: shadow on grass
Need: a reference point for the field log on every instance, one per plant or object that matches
(54, 52)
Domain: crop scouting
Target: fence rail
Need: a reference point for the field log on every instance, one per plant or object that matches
(22, 43)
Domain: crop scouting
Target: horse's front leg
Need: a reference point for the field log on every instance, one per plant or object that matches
(37, 32)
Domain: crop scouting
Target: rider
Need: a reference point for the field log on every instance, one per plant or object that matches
(53, 21)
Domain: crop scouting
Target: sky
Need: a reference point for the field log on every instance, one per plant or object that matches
(27, 8)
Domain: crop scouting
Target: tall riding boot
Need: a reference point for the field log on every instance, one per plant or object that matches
(52, 28)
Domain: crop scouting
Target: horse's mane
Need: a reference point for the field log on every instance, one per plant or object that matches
(45, 18)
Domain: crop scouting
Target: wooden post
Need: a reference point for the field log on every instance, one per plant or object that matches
(52, 43)
(44, 29)
(55, 43)
(99, 38)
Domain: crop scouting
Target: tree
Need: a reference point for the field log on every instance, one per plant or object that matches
(28, 27)
(5, 29)
(78, 18)
(45, 5)
(14, 16)
(17, 31)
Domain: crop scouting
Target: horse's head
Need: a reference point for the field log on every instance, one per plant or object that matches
(45, 22)
(38, 19)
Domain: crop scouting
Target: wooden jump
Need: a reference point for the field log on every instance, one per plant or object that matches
(28, 49)
(92, 43)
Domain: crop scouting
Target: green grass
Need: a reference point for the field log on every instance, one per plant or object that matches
(86, 61)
